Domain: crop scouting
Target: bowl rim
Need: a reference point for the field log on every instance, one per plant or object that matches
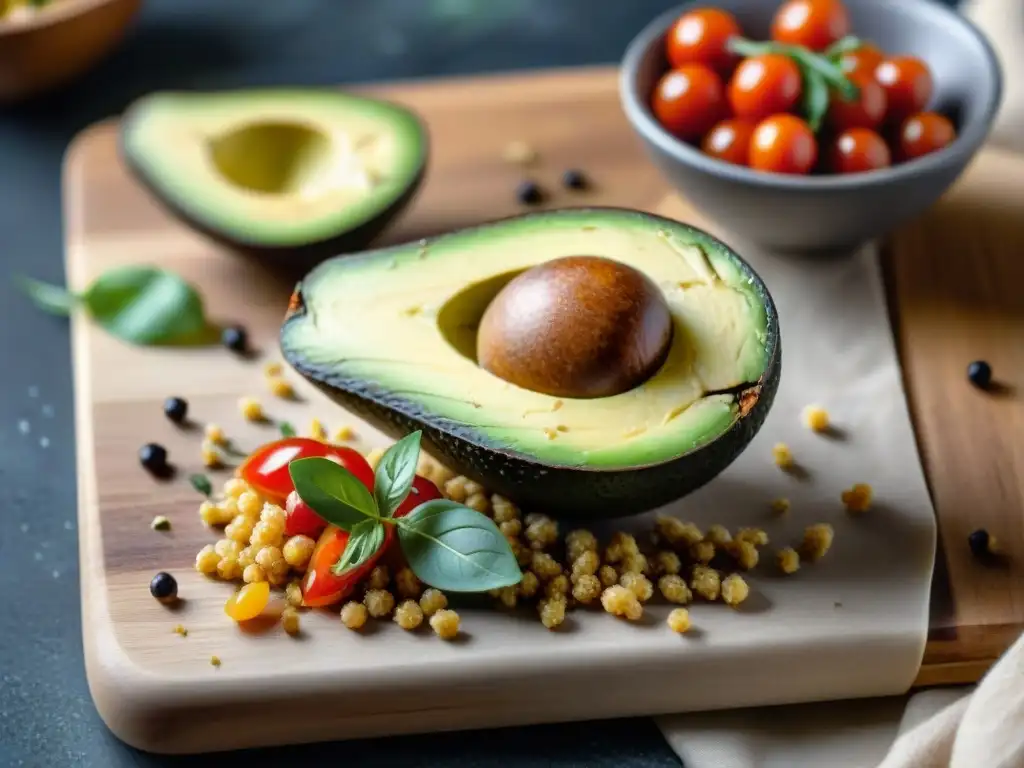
(963, 147)
(57, 12)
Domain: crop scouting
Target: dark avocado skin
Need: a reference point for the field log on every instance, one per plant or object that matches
(582, 494)
(288, 261)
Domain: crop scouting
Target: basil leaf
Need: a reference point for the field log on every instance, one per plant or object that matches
(743, 47)
(847, 44)
(365, 540)
(287, 430)
(815, 98)
(147, 306)
(332, 491)
(395, 472)
(202, 484)
(54, 299)
(833, 75)
(454, 548)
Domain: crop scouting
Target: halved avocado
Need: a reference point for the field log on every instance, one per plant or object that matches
(306, 172)
(390, 335)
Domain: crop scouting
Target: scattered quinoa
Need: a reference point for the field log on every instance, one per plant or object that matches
(507, 596)
(674, 589)
(502, 509)
(160, 523)
(545, 566)
(858, 498)
(703, 552)
(734, 590)
(552, 611)
(635, 563)
(250, 504)
(587, 589)
(455, 489)
(240, 528)
(290, 620)
(180, 630)
(317, 430)
(788, 560)
(280, 387)
(511, 529)
(558, 586)
(207, 560)
(379, 578)
(272, 369)
(235, 487)
(816, 418)
(621, 545)
(473, 487)
(677, 533)
(407, 585)
(519, 153)
(379, 602)
(529, 584)
(782, 455)
(479, 502)
(293, 594)
(253, 574)
(718, 535)
(251, 409)
(297, 551)
(215, 434)
(445, 624)
(608, 575)
(638, 584)
(215, 661)
(579, 541)
(706, 582)
(344, 434)
(542, 532)
(667, 561)
(817, 541)
(755, 536)
(744, 553)
(433, 600)
(409, 615)
(679, 620)
(354, 615)
(586, 564)
(620, 601)
(210, 455)
(780, 506)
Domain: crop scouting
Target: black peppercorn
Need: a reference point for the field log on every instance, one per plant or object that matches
(980, 374)
(154, 458)
(573, 179)
(528, 193)
(235, 338)
(981, 543)
(164, 587)
(175, 409)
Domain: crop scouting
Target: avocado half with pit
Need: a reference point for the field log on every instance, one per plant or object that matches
(308, 173)
(591, 362)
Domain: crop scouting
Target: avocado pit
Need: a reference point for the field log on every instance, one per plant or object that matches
(576, 327)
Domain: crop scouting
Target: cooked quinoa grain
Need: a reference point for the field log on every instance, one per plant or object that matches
(180, 630)
(620, 546)
(510, 529)
(706, 582)
(579, 541)
(552, 611)
(293, 594)
(215, 661)
(433, 600)
(251, 409)
(718, 535)
(587, 589)
(407, 585)
(250, 504)
(374, 456)
(703, 552)
(344, 434)
(782, 455)
(379, 602)
(780, 506)
(455, 489)
(379, 578)
(557, 586)
(507, 596)
(317, 430)
(266, 534)
(235, 487)
(253, 574)
(744, 553)
(297, 551)
(816, 418)
(817, 541)
(445, 624)
(212, 515)
(734, 590)
(788, 560)
(280, 387)
(354, 615)
(679, 620)
(409, 615)
(755, 536)
(290, 620)
(479, 502)
(667, 562)
(542, 533)
(473, 487)
(677, 533)
(227, 548)
(620, 601)
(674, 589)
(523, 554)
(207, 560)
(638, 584)
(586, 564)
(545, 566)
(503, 510)
(240, 529)
(272, 369)
(858, 498)
(529, 584)
(215, 434)
(635, 563)
(210, 456)
(160, 523)
(608, 575)
(247, 556)
(228, 569)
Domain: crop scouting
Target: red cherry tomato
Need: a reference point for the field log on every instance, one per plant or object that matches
(321, 586)
(689, 100)
(923, 134)
(699, 37)
(866, 111)
(301, 519)
(864, 59)
(764, 85)
(783, 144)
(729, 141)
(422, 490)
(858, 150)
(266, 469)
(815, 24)
(908, 86)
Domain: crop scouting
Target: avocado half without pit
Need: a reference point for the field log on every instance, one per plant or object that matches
(588, 363)
(302, 173)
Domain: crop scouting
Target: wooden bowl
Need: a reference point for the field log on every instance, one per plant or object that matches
(58, 43)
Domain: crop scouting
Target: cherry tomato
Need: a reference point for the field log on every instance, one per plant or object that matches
(866, 111)
(266, 469)
(783, 144)
(729, 141)
(300, 519)
(815, 24)
(422, 490)
(908, 86)
(321, 586)
(864, 59)
(248, 602)
(689, 100)
(924, 133)
(858, 150)
(699, 37)
(764, 85)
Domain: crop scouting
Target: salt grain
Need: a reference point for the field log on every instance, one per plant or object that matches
(24, 427)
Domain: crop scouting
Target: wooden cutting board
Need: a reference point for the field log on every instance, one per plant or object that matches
(954, 279)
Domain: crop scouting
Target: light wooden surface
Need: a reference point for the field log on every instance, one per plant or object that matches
(954, 290)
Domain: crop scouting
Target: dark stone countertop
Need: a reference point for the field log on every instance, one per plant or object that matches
(46, 715)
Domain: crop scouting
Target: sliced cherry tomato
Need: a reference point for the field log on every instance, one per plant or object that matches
(700, 36)
(783, 144)
(863, 59)
(729, 141)
(422, 490)
(908, 86)
(763, 86)
(866, 111)
(858, 150)
(924, 133)
(689, 100)
(815, 24)
(266, 469)
(300, 519)
(321, 586)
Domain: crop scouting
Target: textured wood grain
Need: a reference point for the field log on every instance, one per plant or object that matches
(955, 295)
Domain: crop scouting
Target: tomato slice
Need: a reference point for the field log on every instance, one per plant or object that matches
(266, 469)
(321, 586)
(300, 519)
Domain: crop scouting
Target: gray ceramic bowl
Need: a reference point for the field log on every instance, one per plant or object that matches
(827, 213)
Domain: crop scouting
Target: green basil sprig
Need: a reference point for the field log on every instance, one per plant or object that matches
(141, 305)
(447, 545)
(820, 73)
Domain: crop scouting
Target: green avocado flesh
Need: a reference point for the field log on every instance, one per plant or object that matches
(398, 326)
(274, 168)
